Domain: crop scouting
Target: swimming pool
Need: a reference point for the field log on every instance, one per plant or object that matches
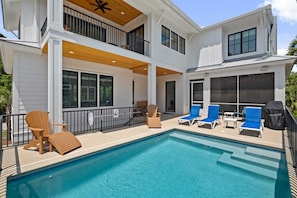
(174, 164)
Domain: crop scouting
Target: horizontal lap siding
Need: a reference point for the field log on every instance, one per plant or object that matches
(30, 82)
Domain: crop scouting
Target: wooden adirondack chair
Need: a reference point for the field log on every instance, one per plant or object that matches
(38, 123)
(153, 117)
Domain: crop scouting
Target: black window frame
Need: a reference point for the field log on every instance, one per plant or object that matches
(174, 41)
(239, 44)
(165, 37)
(70, 89)
(182, 45)
(106, 99)
(90, 88)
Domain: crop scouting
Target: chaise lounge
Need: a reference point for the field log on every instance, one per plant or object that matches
(194, 114)
(38, 123)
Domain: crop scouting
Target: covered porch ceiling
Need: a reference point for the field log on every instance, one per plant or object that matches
(117, 11)
(80, 52)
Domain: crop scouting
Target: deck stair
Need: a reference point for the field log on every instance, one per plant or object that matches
(255, 160)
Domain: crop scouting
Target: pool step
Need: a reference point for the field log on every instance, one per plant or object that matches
(263, 153)
(226, 158)
(218, 145)
(256, 160)
(265, 163)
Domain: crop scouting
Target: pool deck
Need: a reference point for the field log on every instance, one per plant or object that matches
(17, 160)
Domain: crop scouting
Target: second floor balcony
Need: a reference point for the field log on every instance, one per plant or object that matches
(82, 24)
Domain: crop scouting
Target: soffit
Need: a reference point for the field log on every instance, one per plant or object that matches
(81, 52)
(115, 14)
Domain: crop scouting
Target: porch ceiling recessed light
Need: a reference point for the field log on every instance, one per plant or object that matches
(165, 73)
(145, 69)
(122, 13)
(71, 52)
(113, 61)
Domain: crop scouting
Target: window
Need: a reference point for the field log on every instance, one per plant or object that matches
(242, 42)
(233, 93)
(106, 90)
(165, 36)
(224, 89)
(257, 88)
(70, 89)
(88, 90)
(182, 45)
(174, 41)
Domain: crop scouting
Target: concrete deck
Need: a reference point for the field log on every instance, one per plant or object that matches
(17, 160)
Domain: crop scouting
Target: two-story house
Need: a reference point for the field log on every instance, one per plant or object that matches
(88, 54)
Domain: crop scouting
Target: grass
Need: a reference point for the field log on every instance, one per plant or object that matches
(4, 134)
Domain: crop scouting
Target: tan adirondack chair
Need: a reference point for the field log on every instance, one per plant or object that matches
(38, 123)
(153, 117)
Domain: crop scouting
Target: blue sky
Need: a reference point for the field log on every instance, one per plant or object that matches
(206, 13)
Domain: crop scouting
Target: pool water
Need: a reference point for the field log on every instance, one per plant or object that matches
(175, 164)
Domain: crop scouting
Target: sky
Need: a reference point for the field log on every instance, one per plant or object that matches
(206, 13)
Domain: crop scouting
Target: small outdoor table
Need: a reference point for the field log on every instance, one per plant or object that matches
(229, 117)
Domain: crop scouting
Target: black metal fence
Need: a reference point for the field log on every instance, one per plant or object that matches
(14, 130)
(292, 135)
(85, 121)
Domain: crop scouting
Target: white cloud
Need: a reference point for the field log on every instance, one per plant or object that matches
(282, 52)
(286, 10)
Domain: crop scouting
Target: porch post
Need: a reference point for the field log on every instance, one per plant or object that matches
(55, 58)
(55, 80)
(55, 14)
(151, 71)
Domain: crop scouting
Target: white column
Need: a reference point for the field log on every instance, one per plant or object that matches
(55, 80)
(55, 14)
(152, 81)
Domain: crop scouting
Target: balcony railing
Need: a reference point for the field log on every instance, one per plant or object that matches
(14, 129)
(80, 23)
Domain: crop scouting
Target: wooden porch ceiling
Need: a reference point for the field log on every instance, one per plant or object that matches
(80, 52)
(120, 13)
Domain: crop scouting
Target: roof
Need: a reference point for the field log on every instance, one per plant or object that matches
(7, 48)
(263, 60)
(265, 9)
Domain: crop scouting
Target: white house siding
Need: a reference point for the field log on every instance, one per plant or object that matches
(208, 49)
(29, 21)
(122, 78)
(140, 87)
(163, 53)
(30, 82)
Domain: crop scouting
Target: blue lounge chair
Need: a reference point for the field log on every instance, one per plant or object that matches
(252, 120)
(194, 114)
(212, 116)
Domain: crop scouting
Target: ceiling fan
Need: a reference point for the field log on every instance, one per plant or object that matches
(100, 5)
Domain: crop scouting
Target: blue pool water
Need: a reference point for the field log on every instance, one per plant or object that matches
(175, 164)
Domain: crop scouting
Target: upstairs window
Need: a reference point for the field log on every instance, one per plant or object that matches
(174, 41)
(165, 36)
(182, 45)
(242, 42)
